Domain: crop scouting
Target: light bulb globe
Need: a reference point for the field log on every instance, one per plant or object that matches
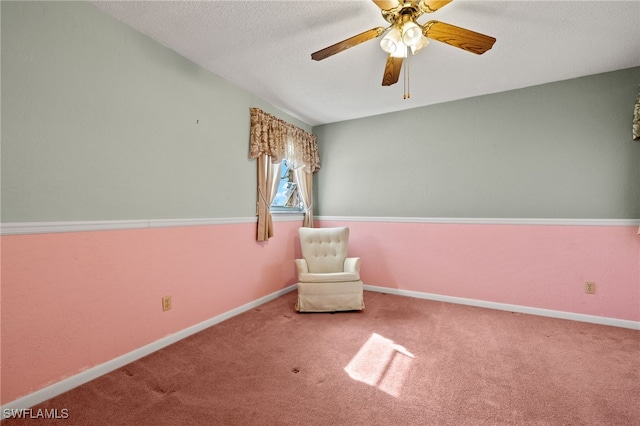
(388, 45)
(392, 42)
(411, 33)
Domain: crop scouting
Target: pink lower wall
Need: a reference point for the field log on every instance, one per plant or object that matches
(71, 301)
(540, 266)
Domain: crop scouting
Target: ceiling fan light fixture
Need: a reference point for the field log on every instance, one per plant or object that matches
(401, 52)
(422, 43)
(405, 33)
(411, 33)
(392, 41)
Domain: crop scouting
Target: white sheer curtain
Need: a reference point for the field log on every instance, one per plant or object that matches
(304, 181)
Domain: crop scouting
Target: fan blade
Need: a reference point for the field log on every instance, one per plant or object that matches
(428, 6)
(346, 44)
(462, 38)
(387, 4)
(391, 71)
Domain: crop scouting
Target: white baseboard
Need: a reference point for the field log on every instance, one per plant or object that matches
(65, 385)
(635, 325)
(81, 378)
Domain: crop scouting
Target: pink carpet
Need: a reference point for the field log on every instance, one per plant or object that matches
(401, 361)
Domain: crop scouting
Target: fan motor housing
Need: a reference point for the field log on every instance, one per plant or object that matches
(409, 10)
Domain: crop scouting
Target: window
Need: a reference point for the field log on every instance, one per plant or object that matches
(272, 138)
(287, 198)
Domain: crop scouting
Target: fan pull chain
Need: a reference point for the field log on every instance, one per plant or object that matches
(406, 73)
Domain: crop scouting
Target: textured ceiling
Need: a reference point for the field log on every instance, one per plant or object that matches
(265, 47)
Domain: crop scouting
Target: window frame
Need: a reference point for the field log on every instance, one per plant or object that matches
(283, 209)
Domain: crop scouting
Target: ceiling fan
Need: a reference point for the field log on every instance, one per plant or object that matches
(406, 34)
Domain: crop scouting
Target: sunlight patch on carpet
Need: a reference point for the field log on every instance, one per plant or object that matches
(381, 363)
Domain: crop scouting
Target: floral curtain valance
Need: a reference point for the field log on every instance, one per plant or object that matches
(281, 140)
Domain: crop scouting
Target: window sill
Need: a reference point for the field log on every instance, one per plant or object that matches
(287, 215)
(285, 210)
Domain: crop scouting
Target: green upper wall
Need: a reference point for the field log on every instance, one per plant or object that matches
(99, 122)
(559, 150)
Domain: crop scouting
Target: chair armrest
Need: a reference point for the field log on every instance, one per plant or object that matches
(352, 264)
(301, 266)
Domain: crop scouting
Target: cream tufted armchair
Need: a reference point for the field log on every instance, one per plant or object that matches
(329, 281)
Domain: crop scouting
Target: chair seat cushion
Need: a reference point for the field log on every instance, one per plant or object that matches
(331, 277)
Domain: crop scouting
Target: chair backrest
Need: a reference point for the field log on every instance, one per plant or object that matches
(324, 249)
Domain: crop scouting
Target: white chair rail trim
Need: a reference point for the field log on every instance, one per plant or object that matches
(485, 221)
(22, 228)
